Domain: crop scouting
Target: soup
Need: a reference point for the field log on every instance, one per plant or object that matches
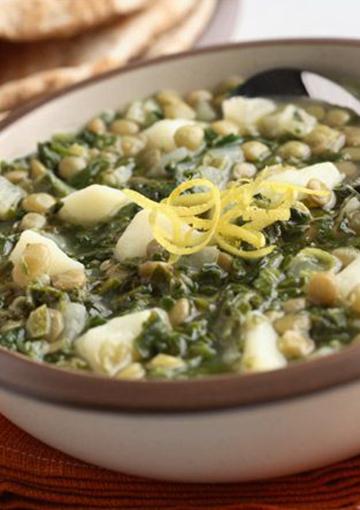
(185, 236)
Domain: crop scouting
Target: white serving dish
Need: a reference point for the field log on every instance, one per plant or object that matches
(218, 429)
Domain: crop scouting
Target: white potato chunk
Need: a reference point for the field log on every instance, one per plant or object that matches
(290, 120)
(10, 196)
(91, 205)
(109, 348)
(246, 112)
(134, 240)
(348, 278)
(261, 352)
(161, 134)
(138, 234)
(60, 262)
(325, 172)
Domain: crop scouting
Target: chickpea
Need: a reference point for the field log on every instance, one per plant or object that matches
(36, 258)
(225, 127)
(225, 261)
(37, 169)
(167, 97)
(347, 168)
(45, 322)
(70, 166)
(19, 277)
(179, 312)
(152, 248)
(198, 96)
(38, 322)
(32, 221)
(322, 289)
(124, 127)
(316, 111)
(292, 321)
(105, 265)
(243, 170)
(38, 202)
(346, 255)
(150, 158)
(132, 145)
(56, 325)
(295, 150)
(76, 149)
(352, 153)
(294, 305)
(229, 83)
(273, 315)
(147, 269)
(96, 126)
(205, 112)
(255, 151)
(337, 117)
(352, 134)
(294, 344)
(166, 361)
(93, 152)
(34, 263)
(133, 371)
(16, 176)
(69, 280)
(179, 110)
(323, 138)
(190, 137)
(317, 200)
(218, 100)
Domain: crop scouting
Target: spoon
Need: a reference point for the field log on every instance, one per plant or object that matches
(297, 82)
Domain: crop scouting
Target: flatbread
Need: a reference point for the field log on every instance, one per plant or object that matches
(31, 69)
(183, 36)
(25, 20)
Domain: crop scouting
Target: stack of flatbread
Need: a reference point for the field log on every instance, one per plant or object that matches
(48, 44)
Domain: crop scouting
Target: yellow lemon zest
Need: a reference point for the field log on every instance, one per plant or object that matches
(190, 218)
(175, 221)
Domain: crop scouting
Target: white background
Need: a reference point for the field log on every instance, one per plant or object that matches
(241, 20)
(296, 18)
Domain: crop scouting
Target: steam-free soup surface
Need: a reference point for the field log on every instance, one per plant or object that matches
(184, 236)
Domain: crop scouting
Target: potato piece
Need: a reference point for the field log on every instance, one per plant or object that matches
(134, 240)
(109, 348)
(246, 112)
(348, 278)
(161, 134)
(10, 196)
(59, 261)
(91, 205)
(290, 120)
(261, 351)
(327, 173)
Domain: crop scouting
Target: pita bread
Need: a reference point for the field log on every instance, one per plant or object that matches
(3, 115)
(28, 70)
(183, 36)
(22, 20)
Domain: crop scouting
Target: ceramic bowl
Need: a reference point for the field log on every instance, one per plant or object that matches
(217, 429)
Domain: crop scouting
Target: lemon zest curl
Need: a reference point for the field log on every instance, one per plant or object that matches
(197, 214)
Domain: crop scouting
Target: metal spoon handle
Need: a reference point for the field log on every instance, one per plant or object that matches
(296, 82)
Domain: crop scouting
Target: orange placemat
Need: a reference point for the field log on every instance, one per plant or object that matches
(33, 476)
